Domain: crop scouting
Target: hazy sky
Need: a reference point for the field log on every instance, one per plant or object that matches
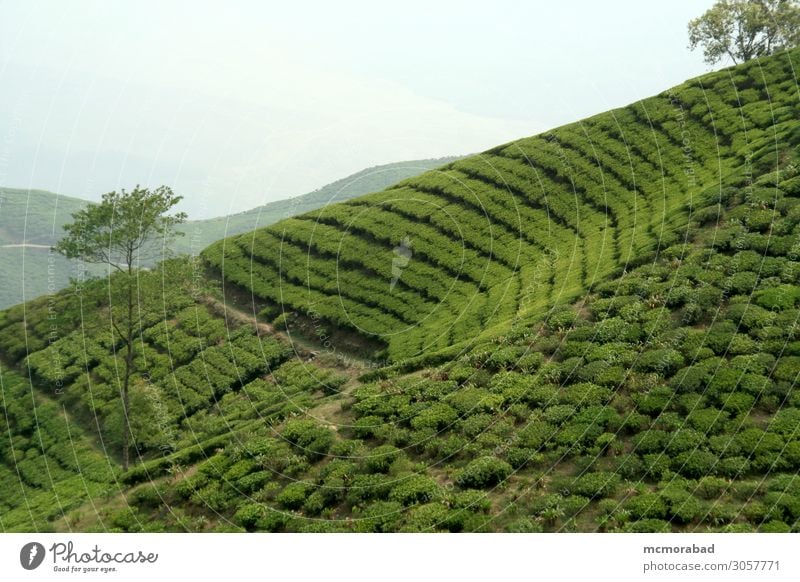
(234, 104)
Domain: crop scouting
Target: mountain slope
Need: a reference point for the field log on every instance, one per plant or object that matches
(31, 221)
(492, 239)
(662, 398)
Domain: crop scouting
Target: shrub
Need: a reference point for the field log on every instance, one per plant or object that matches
(435, 417)
(310, 438)
(530, 362)
(368, 487)
(593, 485)
(707, 420)
(785, 422)
(585, 394)
(646, 506)
(368, 426)
(695, 463)
(690, 379)
(476, 501)
(504, 358)
(683, 507)
(778, 298)
(684, 440)
(149, 496)
(737, 402)
(249, 515)
(650, 441)
(664, 361)
(559, 414)
(733, 467)
(445, 447)
(787, 369)
(429, 517)
(711, 487)
(617, 329)
(543, 395)
(294, 495)
(381, 458)
(519, 457)
(655, 401)
(471, 400)
(484, 472)
(414, 489)
(380, 517)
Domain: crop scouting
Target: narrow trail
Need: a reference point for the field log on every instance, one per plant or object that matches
(350, 366)
(231, 313)
(329, 409)
(24, 246)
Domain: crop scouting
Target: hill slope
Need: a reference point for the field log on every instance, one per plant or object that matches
(496, 238)
(31, 221)
(662, 398)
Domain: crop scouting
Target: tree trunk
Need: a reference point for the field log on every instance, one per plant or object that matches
(126, 428)
(126, 421)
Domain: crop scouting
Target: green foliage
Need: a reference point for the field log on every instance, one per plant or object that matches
(596, 485)
(413, 489)
(607, 362)
(745, 29)
(778, 298)
(436, 417)
(484, 472)
(294, 495)
(308, 437)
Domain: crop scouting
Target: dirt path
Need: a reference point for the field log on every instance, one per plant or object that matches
(25, 246)
(303, 348)
(329, 410)
(231, 313)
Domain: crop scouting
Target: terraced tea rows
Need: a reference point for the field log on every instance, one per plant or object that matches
(502, 236)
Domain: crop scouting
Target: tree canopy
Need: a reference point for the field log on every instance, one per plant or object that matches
(120, 229)
(745, 29)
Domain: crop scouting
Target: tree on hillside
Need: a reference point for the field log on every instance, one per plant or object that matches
(745, 29)
(120, 231)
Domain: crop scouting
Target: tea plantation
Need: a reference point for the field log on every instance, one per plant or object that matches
(594, 329)
(506, 234)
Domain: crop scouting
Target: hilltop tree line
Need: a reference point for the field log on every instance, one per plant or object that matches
(745, 29)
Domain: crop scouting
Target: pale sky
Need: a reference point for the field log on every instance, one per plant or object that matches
(237, 103)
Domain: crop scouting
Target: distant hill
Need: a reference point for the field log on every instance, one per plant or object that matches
(31, 221)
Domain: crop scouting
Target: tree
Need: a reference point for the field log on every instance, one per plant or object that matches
(745, 29)
(121, 232)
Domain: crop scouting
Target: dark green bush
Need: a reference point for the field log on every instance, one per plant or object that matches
(596, 485)
(308, 437)
(484, 472)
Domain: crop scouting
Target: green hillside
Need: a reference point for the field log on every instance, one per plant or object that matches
(500, 237)
(593, 329)
(35, 218)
